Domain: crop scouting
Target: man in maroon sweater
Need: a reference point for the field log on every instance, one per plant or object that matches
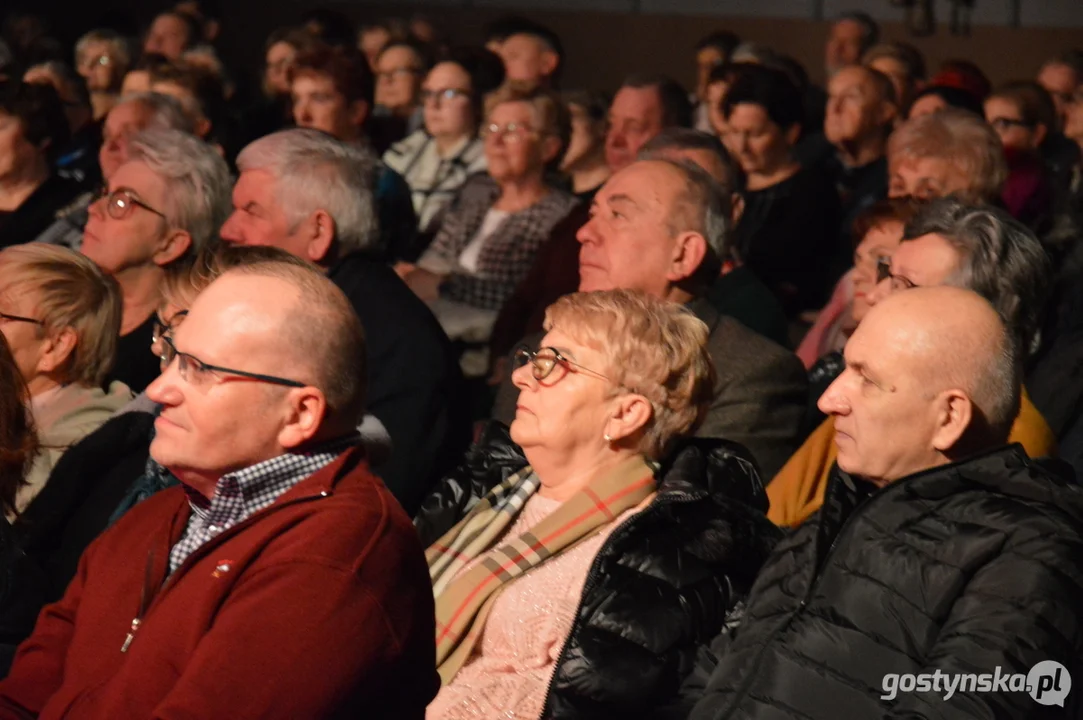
(280, 579)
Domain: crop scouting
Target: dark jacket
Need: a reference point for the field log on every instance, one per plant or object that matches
(962, 568)
(788, 235)
(413, 378)
(662, 583)
(83, 491)
(760, 395)
(51, 201)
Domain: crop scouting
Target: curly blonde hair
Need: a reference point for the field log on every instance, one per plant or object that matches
(657, 349)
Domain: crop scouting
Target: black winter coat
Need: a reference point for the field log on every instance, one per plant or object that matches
(962, 568)
(663, 582)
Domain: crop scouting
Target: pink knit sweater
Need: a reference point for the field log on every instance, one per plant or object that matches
(508, 675)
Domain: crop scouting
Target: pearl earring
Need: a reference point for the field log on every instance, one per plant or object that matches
(607, 438)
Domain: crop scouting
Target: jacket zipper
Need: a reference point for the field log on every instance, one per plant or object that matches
(804, 601)
(672, 498)
(148, 597)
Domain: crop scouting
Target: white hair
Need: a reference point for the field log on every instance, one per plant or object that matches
(314, 171)
(198, 180)
(166, 112)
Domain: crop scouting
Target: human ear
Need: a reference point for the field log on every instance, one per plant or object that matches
(630, 414)
(954, 416)
(304, 415)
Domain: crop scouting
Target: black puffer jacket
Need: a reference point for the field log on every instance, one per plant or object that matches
(963, 569)
(662, 584)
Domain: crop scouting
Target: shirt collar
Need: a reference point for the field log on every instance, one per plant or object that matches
(257, 486)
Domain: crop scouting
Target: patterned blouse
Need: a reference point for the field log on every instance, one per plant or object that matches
(507, 254)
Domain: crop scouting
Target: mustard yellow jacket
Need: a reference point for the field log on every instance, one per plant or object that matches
(798, 489)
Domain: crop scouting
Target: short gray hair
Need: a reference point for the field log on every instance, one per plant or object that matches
(1000, 259)
(678, 139)
(166, 112)
(314, 171)
(702, 206)
(198, 179)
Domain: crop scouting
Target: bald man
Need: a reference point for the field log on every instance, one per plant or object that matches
(861, 111)
(281, 579)
(940, 549)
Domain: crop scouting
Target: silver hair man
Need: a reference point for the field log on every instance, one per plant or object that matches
(312, 171)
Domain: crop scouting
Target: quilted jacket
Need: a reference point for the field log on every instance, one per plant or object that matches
(663, 583)
(964, 568)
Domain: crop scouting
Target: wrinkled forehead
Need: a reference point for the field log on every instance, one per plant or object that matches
(645, 183)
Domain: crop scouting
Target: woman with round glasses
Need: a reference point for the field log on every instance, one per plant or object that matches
(564, 576)
(60, 316)
(498, 221)
(437, 159)
(161, 206)
(102, 57)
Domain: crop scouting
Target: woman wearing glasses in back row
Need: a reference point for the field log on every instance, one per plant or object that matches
(161, 206)
(497, 221)
(576, 577)
(437, 159)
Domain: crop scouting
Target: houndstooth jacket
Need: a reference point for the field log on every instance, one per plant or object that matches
(508, 253)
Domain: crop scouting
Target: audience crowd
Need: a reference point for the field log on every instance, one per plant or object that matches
(412, 384)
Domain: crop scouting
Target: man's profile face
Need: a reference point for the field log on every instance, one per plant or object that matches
(635, 117)
(212, 423)
(627, 243)
(258, 217)
(885, 418)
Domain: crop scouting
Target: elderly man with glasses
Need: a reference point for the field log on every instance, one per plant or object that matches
(281, 579)
(159, 208)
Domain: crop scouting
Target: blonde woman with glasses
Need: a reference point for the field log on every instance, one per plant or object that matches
(576, 577)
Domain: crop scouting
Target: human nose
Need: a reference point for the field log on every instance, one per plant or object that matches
(522, 376)
(879, 291)
(165, 389)
(833, 401)
(587, 233)
(230, 231)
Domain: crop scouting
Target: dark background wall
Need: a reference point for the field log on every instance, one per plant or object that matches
(616, 37)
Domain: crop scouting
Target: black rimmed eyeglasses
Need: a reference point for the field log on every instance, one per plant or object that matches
(195, 371)
(883, 272)
(543, 360)
(162, 327)
(20, 318)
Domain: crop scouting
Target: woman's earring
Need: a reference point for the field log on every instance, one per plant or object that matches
(607, 438)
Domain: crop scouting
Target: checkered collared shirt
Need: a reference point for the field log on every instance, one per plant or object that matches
(245, 492)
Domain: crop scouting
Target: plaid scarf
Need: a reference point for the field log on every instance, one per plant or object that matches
(463, 601)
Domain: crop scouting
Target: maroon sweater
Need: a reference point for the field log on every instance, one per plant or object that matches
(319, 606)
